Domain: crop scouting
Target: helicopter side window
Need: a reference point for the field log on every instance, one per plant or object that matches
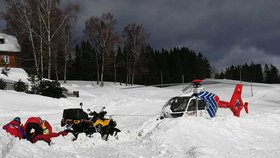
(192, 105)
(201, 104)
(178, 104)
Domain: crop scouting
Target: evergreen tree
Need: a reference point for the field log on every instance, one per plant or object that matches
(151, 66)
(273, 74)
(252, 72)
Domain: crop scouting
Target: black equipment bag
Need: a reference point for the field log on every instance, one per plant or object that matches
(74, 114)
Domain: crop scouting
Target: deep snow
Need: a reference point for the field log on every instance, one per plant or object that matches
(256, 134)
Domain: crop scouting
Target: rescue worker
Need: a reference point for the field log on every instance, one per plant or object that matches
(47, 128)
(47, 133)
(15, 128)
(32, 127)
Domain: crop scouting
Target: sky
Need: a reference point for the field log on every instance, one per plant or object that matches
(227, 32)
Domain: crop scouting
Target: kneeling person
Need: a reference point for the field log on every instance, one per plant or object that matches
(15, 128)
(32, 128)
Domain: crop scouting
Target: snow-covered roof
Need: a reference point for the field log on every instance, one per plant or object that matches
(10, 43)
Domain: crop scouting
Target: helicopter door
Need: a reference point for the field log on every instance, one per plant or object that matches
(191, 109)
(178, 106)
(196, 107)
(202, 105)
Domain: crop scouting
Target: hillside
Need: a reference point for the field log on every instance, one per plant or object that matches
(252, 135)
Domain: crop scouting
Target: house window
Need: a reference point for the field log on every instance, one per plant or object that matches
(5, 59)
(2, 41)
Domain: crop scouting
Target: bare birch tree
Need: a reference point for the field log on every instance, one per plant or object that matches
(66, 38)
(99, 31)
(43, 20)
(20, 12)
(135, 40)
(48, 11)
(67, 32)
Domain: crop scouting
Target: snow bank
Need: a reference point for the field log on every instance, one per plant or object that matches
(14, 75)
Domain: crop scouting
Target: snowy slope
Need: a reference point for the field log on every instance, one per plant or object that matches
(252, 135)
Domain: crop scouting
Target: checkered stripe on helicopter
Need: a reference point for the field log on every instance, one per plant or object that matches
(212, 100)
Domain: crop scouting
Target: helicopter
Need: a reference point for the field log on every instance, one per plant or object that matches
(195, 101)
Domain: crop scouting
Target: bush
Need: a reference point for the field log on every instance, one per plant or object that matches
(2, 84)
(50, 89)
(34, 83)
(20, 86)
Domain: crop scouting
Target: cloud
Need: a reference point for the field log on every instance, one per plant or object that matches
(238, 55)
(216, 28)
(209, 26)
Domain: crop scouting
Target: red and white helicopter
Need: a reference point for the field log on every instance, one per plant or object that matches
(198, 102)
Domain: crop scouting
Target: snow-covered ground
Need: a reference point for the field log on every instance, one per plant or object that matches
(256, 134)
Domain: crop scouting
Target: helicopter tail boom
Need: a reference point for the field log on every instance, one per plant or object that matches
(236, 104)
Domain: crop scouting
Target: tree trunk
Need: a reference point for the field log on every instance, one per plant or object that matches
(30, 36)
(127, 73)
(66, 44)
(97, 68)
(115, 72)
(120, 79)
(49, 45)
(41, 47)
(55, 66)
(161, 78)
(49, 60)
(102, 70)
(42, 59)
(133, 73)
(34, 52)
(65, 69)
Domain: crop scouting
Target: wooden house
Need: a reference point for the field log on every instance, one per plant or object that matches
(9, 50)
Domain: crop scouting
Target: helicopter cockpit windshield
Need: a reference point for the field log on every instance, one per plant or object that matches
(178, 104)
(189, 105)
